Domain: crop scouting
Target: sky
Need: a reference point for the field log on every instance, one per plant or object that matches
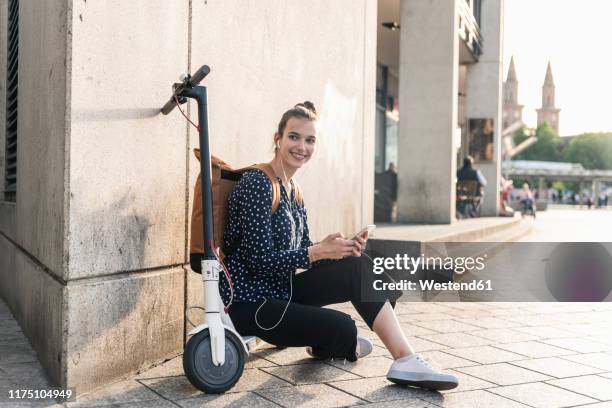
(576, 36)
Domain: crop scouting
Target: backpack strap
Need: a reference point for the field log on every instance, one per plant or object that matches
(268, 170)
(276, 193)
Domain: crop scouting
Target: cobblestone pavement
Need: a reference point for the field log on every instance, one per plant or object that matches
(505, 355)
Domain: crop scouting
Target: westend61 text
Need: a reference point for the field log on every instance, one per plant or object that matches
(484, 285)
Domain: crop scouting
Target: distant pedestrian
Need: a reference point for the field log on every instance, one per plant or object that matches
(505, 189)
(527, 199)
(468, 172)
(601, 200)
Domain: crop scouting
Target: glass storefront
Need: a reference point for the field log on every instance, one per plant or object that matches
(386, 157)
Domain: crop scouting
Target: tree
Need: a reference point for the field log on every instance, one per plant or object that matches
(558, 185)
(592, 150)
(547, 147)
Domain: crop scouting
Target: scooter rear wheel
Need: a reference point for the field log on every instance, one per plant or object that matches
(199, 367)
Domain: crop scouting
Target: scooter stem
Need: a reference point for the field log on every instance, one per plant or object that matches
(209, 264)
(199, 93)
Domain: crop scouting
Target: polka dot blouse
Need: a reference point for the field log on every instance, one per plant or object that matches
(263, 249)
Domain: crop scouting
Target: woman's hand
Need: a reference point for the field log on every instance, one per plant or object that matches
(360, 243)
(334, 246)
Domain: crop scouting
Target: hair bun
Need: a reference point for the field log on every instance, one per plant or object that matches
(308, 105)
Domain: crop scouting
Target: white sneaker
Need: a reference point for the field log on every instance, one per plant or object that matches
(364, 347)
(414, 370)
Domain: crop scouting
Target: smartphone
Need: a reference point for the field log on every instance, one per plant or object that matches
(368, 228)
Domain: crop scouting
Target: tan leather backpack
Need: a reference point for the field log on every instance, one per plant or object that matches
(224, 179)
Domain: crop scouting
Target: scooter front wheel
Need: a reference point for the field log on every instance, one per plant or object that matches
(199, 367)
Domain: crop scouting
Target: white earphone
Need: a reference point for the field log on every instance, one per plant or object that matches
(291, 210)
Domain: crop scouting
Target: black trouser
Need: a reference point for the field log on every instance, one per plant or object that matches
(331, 333)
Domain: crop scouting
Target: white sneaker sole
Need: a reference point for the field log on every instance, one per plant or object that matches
(365, 347)
(437, 382)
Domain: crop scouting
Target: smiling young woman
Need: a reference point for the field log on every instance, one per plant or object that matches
(284, 308)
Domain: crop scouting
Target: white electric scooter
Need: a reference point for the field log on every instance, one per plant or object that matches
(215, 353)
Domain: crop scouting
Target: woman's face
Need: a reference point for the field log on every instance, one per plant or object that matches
(297, 145)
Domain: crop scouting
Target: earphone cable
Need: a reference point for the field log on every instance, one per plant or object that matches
(291, 210)
(226, 273)
(284, 311)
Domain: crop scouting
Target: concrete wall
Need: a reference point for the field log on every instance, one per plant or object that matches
(32, 229)
(41, 127)
(484, 96)
(41, 131)
(128, 193)
(120, 325)
(127, 162)
(267, 56)
(35, 299)
(428, 111)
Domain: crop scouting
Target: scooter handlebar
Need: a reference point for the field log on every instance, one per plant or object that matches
(199, 75)
(188, 82)
(168, 106)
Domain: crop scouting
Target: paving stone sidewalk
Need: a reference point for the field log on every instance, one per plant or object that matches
(505, 355)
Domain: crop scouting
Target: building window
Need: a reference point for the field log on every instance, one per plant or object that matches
(10, 175)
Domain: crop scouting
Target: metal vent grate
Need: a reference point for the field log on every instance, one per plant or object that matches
(11, 100)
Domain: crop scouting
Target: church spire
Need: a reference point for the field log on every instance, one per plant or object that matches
(511, 71)
(549, 76)
(548, 112)
(512, 110)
